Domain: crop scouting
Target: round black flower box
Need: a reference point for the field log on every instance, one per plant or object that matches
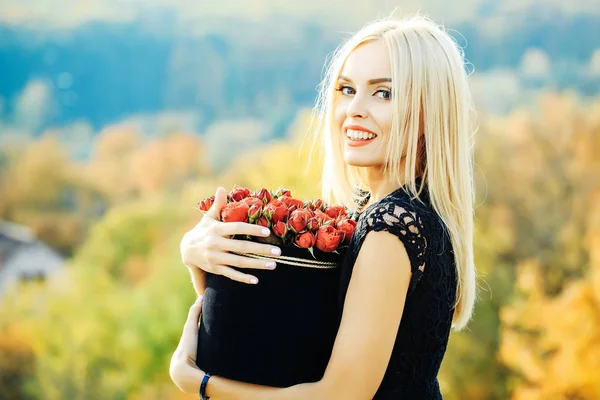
(279, 332)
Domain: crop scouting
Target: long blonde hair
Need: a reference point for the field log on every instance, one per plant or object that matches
(432, 129)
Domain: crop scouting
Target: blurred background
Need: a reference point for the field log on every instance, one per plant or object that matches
(118, 116)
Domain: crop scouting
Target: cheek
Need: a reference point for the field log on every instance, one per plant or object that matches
(339, 111)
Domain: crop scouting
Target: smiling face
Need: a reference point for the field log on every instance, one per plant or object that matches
(363, 106)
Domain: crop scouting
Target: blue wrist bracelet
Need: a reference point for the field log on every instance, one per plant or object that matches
(203, 386)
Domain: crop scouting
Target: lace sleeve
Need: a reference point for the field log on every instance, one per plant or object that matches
(407, 225)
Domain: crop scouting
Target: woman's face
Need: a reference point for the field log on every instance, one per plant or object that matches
(363, 106)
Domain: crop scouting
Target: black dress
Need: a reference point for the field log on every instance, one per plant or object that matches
(426, 320)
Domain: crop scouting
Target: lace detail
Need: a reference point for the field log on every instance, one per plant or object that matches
(406, 225)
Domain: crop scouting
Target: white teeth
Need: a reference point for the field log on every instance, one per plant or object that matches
(359, 135)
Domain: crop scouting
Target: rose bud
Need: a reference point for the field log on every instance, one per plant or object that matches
(254, 213)
(283, 192)
(328, 238)
(264, 195)
(297, 221)
(280, 229)
(262, 221)
(313, 224)
(292, 209)
(253, 201)
(206, 204)
(276, 211)
(238, 193)
(235, 212)
(335, 211)
(322, 217)
(318, 205)
(290, 201)
(305, 240)
(347, 227)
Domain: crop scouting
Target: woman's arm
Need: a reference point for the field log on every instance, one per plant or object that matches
(363, 346)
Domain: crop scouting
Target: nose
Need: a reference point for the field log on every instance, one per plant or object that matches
(357, 108)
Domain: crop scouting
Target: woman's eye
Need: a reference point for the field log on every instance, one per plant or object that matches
(384, 94)
(346, 90)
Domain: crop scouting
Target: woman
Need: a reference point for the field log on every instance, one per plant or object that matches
(395, 116)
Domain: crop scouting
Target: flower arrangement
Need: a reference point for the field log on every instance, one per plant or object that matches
(307, 224)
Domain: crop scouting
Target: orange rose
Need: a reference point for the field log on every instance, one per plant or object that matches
(347, 227)
(206, 204)
(235, 212)
(305, 240)
(328, 238)
(276, 211)
(238, 193)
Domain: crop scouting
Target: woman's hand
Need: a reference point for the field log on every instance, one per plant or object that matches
(183, 370)
(208, 245)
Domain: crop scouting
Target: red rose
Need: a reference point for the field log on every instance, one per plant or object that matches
(322, 217)
(280, 229)
(313, 224)
(264, 195)
(235, 212)
(238, 193)
(276, 211)
(262, 221)
(305, 240)
(298, 220)
(290, 201)
(335, 211)
(254, 212)
(206, 204)
(328, 238)
(347, 227)
(253, 201)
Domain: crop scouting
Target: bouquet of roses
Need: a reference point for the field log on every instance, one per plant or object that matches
(306, 224)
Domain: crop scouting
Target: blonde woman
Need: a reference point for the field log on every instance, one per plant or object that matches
(395, 116)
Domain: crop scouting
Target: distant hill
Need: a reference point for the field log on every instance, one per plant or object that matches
(105, 71)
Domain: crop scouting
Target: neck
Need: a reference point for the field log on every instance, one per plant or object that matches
(379, 185)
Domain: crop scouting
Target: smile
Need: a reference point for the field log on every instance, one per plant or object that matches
(359, 138)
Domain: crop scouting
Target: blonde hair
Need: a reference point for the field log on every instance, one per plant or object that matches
(431, 89)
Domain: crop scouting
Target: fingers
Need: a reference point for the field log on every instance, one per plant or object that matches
(189, 339)
(220, 202)
(236, 275)
(247, 247)
(195, 312)
(241, 228)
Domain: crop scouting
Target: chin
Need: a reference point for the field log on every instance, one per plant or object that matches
(360, 162)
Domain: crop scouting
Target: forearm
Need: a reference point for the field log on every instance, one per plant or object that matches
(225, 389)
(198, 280)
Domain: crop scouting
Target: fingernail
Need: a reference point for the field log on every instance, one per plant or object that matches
(254, 281)
(270, 265)
(276, 251)
(266, 232)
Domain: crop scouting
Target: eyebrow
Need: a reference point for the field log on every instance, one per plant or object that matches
(370, 81)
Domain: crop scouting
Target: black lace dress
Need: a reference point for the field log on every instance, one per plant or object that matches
(426, 321)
